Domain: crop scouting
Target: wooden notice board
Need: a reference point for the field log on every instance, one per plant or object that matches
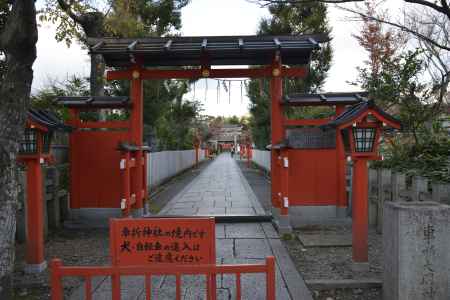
(163, 241)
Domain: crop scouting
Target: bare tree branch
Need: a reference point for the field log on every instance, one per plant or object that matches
(399, 26)
(269, 2)
(442, 9)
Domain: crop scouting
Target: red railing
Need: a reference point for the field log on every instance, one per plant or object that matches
(58, 271)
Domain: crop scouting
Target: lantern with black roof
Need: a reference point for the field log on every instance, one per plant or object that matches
(34, 149)
(362, 127)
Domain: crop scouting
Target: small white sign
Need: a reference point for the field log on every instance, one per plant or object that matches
(122, 164)
(286, 162)
(286, 202)
(41, 160)
(123, 204)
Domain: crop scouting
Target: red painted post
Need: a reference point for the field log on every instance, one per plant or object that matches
(285, 182)
(35, 214)
(74, 120)
(196, 155)
(248, 155)
(125, 171)
(341, 165)
(276, 92)
(270, 278)
(55, 279)
(241, 151)
(136, 134)
(115, 280)
(359, 211)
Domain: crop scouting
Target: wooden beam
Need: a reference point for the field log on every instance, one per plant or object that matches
(107, 124)
(306, 122)
(213, 73)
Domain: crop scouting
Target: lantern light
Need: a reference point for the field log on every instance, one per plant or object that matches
(29, 142)
(364, 138)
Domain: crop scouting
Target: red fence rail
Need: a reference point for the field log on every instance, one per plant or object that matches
(58, 270)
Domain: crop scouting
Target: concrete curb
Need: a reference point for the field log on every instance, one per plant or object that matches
(328, 284)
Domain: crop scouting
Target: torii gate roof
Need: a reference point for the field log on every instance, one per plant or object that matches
(209, 50)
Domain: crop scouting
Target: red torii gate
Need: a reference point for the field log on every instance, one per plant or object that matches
(134, 56)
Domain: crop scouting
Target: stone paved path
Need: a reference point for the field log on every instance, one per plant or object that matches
(221, 190)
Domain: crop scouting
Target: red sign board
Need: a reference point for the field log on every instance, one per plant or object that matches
(162, 240)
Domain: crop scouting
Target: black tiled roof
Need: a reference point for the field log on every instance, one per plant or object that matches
(324, 99)
(355, 111)
(47, 119)
(210, 50)
(132, 148)
(95, 101)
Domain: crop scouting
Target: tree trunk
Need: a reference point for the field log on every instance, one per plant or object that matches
(18, 40)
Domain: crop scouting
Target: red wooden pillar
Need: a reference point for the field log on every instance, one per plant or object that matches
(285, 181)
(359, 211)
(74, 120)
(342, 202)
(125, 203)
(196, 155)
(136, 135)
(35, 217)
(249, 156)
(276, 91)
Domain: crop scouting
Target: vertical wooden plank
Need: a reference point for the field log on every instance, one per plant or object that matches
(238, 286)
(178, 286)
(148, 287)
(55, 280)
(88, 288)
(115, 281)
(270, 278)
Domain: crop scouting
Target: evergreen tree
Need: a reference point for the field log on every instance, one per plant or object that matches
(290, 19)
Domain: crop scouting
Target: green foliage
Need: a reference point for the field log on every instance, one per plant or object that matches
(118, 18)
(428, 158)
(295, 19)
(423, 147)
(45, 97)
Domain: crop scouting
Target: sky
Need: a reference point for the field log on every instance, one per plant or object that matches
(55, 61)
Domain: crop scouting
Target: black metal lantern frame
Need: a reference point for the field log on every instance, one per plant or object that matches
(364, 140)
(46, 141)
(30, 141)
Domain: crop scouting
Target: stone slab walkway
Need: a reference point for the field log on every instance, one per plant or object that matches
(221, 189)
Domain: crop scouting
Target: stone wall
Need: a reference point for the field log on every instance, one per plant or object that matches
(386, 185)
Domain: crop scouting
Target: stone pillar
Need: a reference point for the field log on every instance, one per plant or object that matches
(373, 196)
(419, 187)
(416, 251)
(398, 185)
(440, 192)
(384, 194)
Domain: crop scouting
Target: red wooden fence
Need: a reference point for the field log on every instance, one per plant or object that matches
(58, 271)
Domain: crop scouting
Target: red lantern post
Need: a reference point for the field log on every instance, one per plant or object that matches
(34, 151)
(363, 125)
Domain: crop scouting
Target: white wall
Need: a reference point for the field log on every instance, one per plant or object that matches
(261, 158)
(165, 164)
